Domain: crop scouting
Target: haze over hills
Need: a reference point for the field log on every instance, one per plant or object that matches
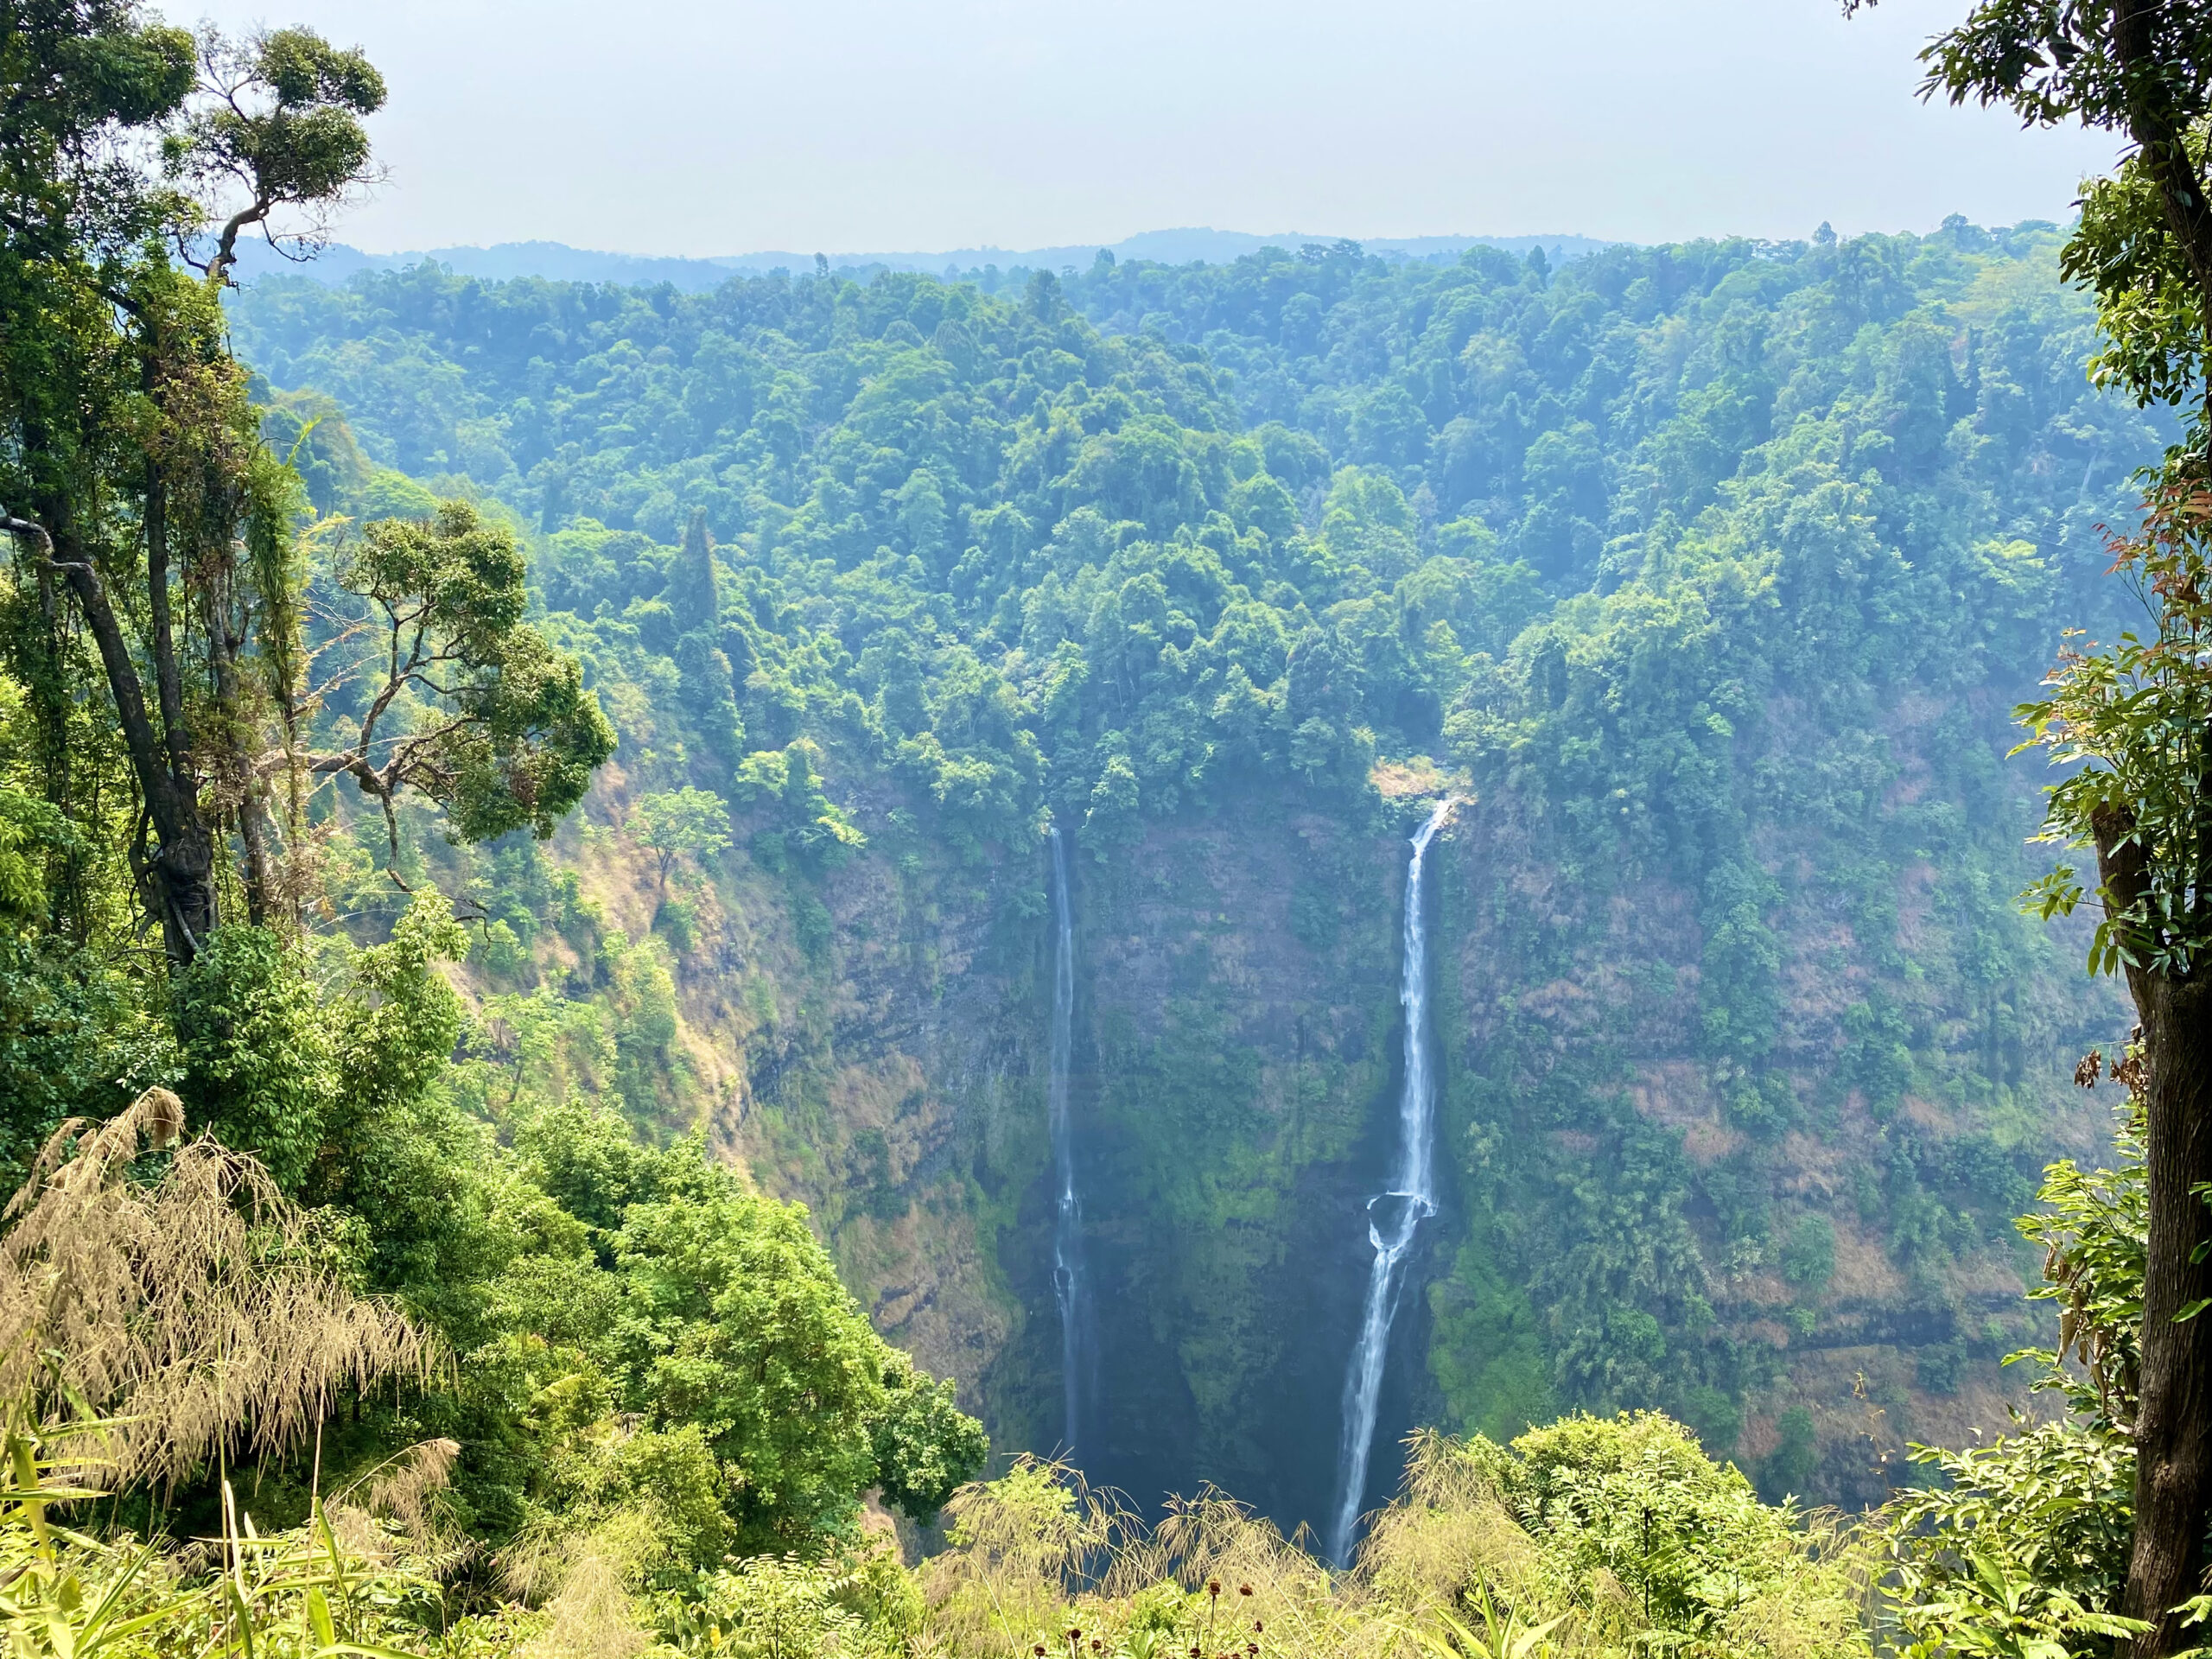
(557, 262)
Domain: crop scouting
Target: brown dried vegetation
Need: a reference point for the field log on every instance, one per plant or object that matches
(199, 1310)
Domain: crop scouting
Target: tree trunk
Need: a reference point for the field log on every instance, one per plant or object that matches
(2160, 132)
(2173, 1422)
(237, 775)
(182, 869)
(2173, 1418)
(50, 708)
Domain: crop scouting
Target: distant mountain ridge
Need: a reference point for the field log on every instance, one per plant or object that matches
(556, 261)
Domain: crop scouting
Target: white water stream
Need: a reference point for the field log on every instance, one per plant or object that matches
(1393, 1216)
(1070, 1283)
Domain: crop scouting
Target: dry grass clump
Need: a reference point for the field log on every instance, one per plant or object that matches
(592, 1615)
(197, 1312)
(1019, 1543)
(1249, 1586)
(583, 1585)
(1449, 1533)
(1044, 1566)
(403, 1486)
(390, 1514)
(1596, 1537)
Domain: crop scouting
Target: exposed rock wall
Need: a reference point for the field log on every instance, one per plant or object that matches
(872, 1038)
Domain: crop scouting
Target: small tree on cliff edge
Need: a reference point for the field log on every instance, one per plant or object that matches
(2134, 719)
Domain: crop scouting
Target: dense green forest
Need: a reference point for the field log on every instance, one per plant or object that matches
(1713, 569)
(563, 851)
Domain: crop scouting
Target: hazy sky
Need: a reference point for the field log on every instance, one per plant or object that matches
(725, 126)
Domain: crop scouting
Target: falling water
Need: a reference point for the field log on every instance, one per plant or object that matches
(1393, 1217)
(1070, 1283)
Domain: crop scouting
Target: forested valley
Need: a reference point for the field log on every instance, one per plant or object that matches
(741, 970)
(1749, 1060)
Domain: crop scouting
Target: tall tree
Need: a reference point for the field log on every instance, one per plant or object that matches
(692, 588)
(678, 824)
(2136, 718)
(461, 699)
(141, 497)
(74, 233)
(134, 466)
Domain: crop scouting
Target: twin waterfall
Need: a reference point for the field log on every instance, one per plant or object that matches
(1070, 1284)
(1393, 1217)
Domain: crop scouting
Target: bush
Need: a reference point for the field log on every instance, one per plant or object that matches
(1808, 1254)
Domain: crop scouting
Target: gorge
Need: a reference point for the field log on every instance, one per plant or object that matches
(1712, 569)
(1482, 947)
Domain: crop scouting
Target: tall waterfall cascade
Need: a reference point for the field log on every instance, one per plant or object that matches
(1071, 1281)
(1393, 1216)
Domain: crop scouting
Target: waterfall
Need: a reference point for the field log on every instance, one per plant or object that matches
(1071, 1282)
(1393, 1217)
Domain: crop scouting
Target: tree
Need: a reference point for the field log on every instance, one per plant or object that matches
(278, 119)
(78, 80)
(256, 1050)
(135, 478)
(2133, 717)
(465, 701)
(812, 824)
(691, 589)
(925, 1446)
(138, 488)
(680, 822)
(2024, 1543)
(753, 1336)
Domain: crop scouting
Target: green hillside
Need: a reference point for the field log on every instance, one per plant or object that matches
(1711, 571)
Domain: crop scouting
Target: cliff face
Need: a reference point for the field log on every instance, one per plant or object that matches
(1240, 978)
(873, 1040)
(866, 1038)
(1808, 1287)
(901, 1096)
(1813, 1279)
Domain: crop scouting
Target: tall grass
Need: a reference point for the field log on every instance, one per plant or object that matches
(1594, 1536)
(192, 1315)
(163, 1307)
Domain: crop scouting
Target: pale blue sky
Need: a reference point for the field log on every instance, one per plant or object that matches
(721, 126)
